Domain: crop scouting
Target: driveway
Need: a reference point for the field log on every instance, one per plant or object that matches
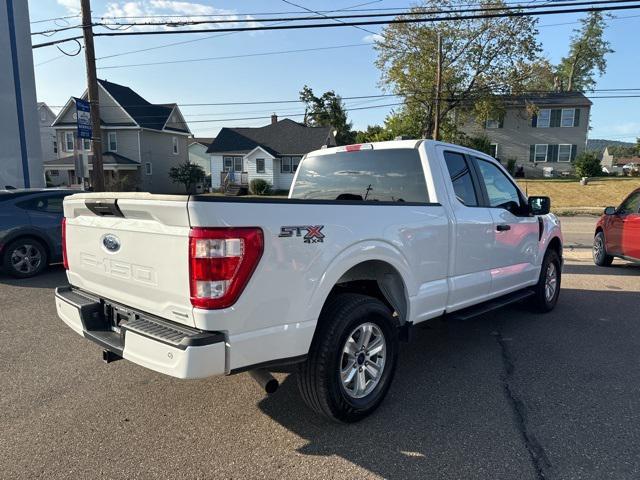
(510, 395)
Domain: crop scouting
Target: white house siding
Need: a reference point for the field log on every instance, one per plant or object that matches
(216, 168)
(281, 181)
(157, 148)
(250, 166)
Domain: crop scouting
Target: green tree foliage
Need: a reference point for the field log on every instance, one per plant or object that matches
(189, 174)
(623, 151)
(587, 164)
(481, 57)
(259, 186)
(327, 111)
(586, 57)
(481, 143)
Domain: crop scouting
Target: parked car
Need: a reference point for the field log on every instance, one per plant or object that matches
(618, 232)
(372, 240)
(30, 229)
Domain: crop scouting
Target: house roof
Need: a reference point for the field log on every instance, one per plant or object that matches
(284, 137)
(108, 158)
(206, 141)
(572, 99)
(146, 114)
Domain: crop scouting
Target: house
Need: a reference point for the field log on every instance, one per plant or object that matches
(538, 131)
(48, 141)
(272, 152)
(197, 147)
(614, 164)
(141, 141)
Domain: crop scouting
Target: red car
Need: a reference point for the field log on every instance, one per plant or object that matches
(618, 232)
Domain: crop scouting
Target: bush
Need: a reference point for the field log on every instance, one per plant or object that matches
(511, 166)
(482, 144)
(587, 164)
(258, 186)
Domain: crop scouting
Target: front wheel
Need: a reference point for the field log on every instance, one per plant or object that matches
(547, 290)
(352, 358)
(600, 256)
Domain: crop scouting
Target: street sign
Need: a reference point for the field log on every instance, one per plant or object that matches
(83, 115)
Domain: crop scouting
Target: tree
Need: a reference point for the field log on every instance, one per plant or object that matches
(586, 57)
(587, 164)
(327, 111)
(480, 58)
(189, 174)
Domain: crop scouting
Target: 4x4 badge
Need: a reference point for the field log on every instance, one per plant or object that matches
(313, 233)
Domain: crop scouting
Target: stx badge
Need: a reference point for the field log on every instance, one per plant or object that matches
(313, 233)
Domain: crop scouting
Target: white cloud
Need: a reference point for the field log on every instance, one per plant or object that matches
(174, 11)
(372, 38)
(71, 6)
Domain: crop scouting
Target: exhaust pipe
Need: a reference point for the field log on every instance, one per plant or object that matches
(268, 383)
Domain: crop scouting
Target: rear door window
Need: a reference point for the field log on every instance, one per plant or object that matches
(461, 178)
(388, 175)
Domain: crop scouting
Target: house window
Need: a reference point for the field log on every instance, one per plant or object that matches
(232, 163)
(175, 146)
(295, 161)
(568, 115)
(260, 165)
(544, 118)
(564, 152)
(55, 146)
(53, 173)
(493, 150)
(86, 144)
(492, 123)
(285, 165)
(113, 141)
(541, 153)
(68, 141)
(147, 168)
(43, 115)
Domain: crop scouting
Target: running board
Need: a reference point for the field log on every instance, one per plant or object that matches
(485, 307)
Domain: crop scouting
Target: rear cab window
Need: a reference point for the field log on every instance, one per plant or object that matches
(384, 175)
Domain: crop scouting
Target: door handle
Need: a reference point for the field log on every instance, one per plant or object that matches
(503, 227)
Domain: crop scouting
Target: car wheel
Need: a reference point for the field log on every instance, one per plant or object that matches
(24, 258)
(352, 358)
(547, 290)
(600, 256)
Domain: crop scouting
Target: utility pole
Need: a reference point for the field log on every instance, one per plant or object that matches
(436, 123)
(92, 88)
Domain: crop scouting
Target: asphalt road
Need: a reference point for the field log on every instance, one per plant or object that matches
(510, 395)
(578, 231)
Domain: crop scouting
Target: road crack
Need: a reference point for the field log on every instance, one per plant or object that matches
(538, 456)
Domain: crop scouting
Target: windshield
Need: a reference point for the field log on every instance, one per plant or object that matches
(390, 175)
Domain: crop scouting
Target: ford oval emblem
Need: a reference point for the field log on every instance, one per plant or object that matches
(111, 243)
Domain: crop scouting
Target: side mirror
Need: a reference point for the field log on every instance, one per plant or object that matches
(610, 211)
(539, 205)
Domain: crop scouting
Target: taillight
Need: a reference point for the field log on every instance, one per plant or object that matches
(65, 260)
(221, 262)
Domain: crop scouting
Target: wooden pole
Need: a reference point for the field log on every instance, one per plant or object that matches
(436, 122)
(92, 88)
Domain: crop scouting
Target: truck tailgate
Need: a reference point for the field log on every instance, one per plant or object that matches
(131, 248)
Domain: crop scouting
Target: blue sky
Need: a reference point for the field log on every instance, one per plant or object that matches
(349, 71)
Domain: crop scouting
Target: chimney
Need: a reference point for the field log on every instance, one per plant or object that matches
(274, 118)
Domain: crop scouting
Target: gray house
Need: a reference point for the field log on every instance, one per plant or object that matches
(539, 131)
(141, 142)
(48, 140)
(272, 152)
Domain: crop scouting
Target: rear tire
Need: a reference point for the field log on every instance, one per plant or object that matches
(547, 290)
(352, 358)
(24, 257)
(600, 256)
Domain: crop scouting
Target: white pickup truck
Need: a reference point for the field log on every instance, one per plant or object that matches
(373, 239)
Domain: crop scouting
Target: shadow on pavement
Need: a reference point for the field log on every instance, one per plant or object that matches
(616, 268)
(54, 276)
(447, 414)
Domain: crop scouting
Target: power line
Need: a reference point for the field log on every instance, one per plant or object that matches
(229, 57)
(44, 20)
(360, 23)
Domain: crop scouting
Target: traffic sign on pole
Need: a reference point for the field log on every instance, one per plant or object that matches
(83, 116)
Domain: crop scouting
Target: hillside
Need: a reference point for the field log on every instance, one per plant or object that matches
(600, 144)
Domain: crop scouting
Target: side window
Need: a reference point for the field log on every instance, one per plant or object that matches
(461, 178)
(630, 205)
(501, 191)
(43, 204)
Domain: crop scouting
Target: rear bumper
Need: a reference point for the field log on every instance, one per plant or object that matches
(150, 341)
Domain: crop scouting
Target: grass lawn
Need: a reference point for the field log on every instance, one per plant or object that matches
(568, 196)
